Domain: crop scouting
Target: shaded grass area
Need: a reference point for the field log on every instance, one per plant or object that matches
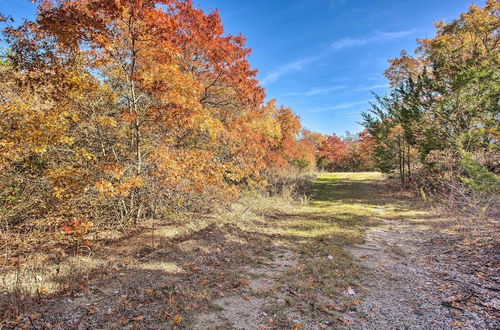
(167, 276)
(342, 207)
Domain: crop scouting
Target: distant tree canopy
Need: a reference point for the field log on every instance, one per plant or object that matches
(441, 117)
(352, 153)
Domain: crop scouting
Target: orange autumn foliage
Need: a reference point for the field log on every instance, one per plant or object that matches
(128, 109)
(346, 154)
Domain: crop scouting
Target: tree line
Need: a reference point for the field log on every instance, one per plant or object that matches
(439, 124)
(122, 110)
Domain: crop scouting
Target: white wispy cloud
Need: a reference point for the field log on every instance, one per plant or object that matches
(375, 37)
(290, 67)
(370, 88)
(341, 44)
(328, 89)
(318, 91)
(341, 106)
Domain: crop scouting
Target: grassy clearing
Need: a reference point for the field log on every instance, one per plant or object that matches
(318, 229)
(341, 207)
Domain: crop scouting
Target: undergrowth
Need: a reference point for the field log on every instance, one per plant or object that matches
(36, 264)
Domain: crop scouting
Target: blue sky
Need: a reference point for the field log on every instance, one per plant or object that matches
(321, 57)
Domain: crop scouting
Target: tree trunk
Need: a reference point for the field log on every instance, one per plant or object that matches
(401, 162)
(408, 161)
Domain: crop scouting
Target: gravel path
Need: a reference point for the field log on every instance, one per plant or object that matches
(403, 287)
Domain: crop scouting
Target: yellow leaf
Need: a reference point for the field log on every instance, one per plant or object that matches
(39, 150)
(177, 319)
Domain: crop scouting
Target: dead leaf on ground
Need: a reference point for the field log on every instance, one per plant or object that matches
(178, 319)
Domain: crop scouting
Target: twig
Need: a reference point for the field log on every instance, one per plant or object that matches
(33, 323)
(314, 305)
(449, 304)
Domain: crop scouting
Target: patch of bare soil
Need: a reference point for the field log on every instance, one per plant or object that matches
(252, 306)
(153, 288)
(218, 277)
(418, 277)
